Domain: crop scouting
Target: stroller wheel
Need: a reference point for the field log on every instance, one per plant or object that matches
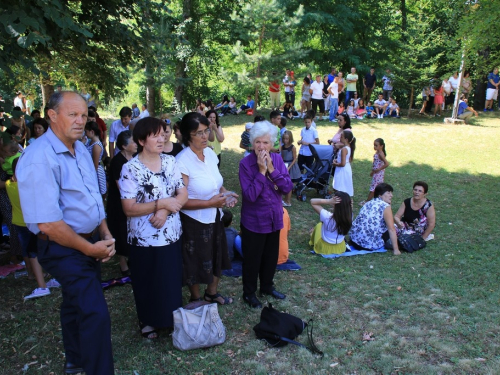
(303, 198)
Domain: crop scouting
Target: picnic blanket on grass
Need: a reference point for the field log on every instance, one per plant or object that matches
(350, 253)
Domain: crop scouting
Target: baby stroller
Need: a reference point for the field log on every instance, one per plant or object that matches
(318, 176)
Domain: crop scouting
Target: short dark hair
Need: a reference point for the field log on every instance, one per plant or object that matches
(13, 130)
(258, 118)
(190, 123)
(91, 113)
(144, 128)
(274, 114)
(42, 122)
(92, 125)
(381, 189)
(227, 219)
(283, 121)
(423, 184)
(125, 112)
(123, 139)
(35, 111)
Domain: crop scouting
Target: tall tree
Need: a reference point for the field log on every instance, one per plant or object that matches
(90, 39)
(265, 40)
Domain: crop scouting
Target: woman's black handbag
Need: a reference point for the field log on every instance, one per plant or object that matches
(279, 329)
(408, 242)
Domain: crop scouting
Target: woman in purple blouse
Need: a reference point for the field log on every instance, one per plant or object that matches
(264, 179)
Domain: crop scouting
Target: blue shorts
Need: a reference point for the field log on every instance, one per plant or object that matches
(28, 242)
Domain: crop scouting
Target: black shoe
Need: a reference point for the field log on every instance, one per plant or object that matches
(252, 301)
(70, 368)
(274, 293)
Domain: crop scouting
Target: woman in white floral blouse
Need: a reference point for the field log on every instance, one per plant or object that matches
(375, 223)
(153, 192)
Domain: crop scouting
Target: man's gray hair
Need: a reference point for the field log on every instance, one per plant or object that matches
(263, 128)
(57, 98)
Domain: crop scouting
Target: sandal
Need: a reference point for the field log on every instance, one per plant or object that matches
(196, 299)
(152, 335)
(212, 298)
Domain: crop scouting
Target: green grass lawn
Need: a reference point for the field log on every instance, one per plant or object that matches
(431, 312)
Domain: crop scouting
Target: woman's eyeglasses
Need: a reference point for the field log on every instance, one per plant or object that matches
(201, 133)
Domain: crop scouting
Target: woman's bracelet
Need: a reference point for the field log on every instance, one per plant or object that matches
(156, 207)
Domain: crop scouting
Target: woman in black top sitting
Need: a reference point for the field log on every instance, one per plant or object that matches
(416, 214)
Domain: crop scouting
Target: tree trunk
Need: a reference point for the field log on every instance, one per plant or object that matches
(180, 68)
(480, 95)
(180, 75)
(258, 67)
(411, 102)
(47, 90)
(150, 91)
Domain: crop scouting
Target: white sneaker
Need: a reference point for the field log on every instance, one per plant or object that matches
(38, 292)
(53, 283)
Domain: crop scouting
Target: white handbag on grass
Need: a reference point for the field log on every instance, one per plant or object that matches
(198, 328)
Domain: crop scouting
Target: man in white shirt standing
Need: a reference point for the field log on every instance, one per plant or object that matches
(117, 127)
(380, 105)
(316, 91)
(351, 79)
(145, 112)
(333, 89)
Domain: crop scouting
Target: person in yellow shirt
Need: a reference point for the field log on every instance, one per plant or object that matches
(27, 239)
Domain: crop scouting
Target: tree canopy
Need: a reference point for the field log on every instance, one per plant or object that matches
(198, 48)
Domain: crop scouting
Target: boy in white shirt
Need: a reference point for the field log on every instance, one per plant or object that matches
(380, 105)
(309, 136)
(316, 91)
(393, 108)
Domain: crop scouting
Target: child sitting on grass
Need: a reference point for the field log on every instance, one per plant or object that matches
(245, 139)
(370, 111)
(393, 108)
(231, 234)
(327, 236)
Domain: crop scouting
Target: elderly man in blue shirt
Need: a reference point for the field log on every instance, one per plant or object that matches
(61, 203)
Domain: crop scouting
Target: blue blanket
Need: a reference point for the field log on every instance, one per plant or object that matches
(236, 270)
(350, 253)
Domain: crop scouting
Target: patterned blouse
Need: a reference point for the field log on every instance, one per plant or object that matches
(139, 183)
(369, 225)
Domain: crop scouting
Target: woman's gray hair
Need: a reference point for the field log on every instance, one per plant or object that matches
(263, 128)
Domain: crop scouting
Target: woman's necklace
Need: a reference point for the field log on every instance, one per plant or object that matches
(269, 178)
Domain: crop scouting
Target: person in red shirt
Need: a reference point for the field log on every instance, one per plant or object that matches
(274, 92)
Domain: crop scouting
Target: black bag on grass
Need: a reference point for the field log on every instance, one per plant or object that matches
(408, 242)
(278, 329)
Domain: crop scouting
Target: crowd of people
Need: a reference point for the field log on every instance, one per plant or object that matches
(165, 200)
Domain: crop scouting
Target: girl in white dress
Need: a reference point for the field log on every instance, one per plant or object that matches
(342, 179)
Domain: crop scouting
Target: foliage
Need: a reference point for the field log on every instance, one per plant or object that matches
(83, 42)
(477, 33)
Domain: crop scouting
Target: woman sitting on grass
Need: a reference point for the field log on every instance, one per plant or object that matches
(417, 214)
(328, 235)
(374, 225)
